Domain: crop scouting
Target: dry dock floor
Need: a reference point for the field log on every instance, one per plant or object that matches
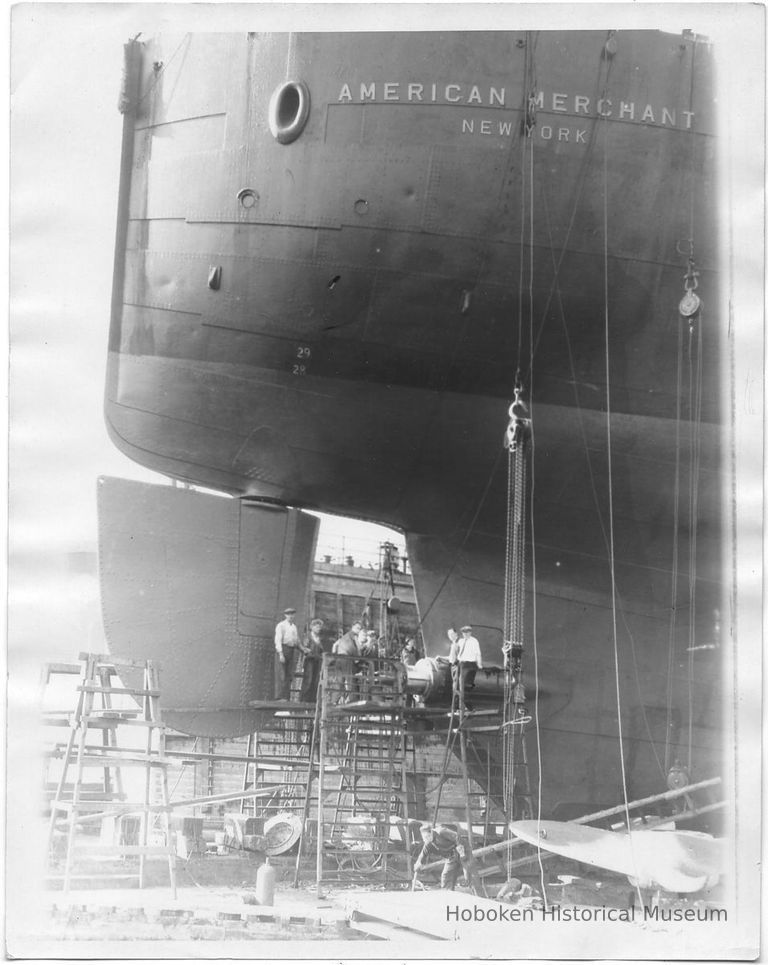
(213, 916)
(215, 920)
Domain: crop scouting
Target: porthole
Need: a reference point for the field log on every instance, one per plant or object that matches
(247, 197)
(361, 206)
(288, 111)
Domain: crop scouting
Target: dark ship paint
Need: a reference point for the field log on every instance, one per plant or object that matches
(335, 252)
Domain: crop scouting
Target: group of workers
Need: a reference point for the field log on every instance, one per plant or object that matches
(464, 656)
(441, 843)
(356, 642)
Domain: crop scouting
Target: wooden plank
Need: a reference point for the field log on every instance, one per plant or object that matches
(379, 929)
(234, 796)
(104, 807)
(63, 668)
(109, 713)
(127, 808)
(106, 723)
(238, 759)
(98, 750)
(282, 705)
(365, 707)
(115, 760)
(113, 661)
(421, 912)
(131, 691)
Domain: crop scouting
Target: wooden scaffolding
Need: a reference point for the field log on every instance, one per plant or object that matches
(77, 802)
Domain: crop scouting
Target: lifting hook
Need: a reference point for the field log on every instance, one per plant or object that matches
(519, 423)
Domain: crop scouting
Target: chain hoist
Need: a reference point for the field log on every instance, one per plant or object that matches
(516, 442)
(690, 303)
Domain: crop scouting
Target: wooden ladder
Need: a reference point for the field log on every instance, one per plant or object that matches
(361, 737)
(95, 711)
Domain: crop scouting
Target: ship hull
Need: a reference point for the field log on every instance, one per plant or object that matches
(337, 322)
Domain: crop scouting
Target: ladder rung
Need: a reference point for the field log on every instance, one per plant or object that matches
(106, 713)
(91, 792)
(94, 799)
(105, 723)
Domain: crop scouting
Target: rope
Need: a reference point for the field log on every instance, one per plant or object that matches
(692, 169)
(612, 553)
(514, 618)
(595, 495)
(522, 240)
(693, 511)
(534, 636)
(611, 547)
(675, 555)
(580, 183)
(694, 415)
(513, 735)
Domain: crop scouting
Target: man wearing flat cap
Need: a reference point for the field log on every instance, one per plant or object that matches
(312, 648)
(287, 650)
(470, 660)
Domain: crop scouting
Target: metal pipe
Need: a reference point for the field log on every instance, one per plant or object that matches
(173, 805)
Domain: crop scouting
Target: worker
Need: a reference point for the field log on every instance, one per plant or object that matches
(363, 643)
(288, 650)
(346, 645)
(365, 670)
(312, 648)
(514, 891)
(441, 843)
(453, 654)
(470, 660)
(409, 654)
(346, 648)
(366, 643)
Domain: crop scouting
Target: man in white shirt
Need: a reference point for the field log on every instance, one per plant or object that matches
(287, 650)
(470, 660)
